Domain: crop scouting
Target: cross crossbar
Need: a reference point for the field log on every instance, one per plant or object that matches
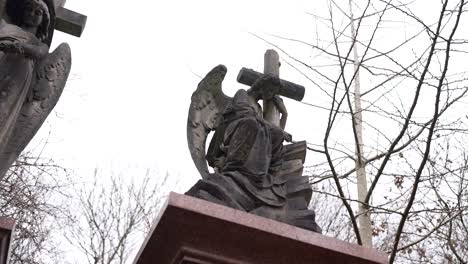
(68, 21)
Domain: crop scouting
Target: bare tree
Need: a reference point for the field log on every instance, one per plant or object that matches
(412, 97)
(31, 192)
(112, 217)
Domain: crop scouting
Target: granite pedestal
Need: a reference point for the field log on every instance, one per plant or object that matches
(193, 231)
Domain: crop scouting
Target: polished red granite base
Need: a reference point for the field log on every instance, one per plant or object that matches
(193, 231)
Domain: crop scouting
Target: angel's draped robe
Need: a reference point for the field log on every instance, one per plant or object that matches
(16, 73)
(246, 151)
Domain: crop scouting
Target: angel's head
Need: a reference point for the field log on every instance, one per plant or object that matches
(36, 15)
(265, 88)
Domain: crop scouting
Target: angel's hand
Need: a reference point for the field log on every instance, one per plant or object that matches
(4, 46)
(264, 81)
(287, 137)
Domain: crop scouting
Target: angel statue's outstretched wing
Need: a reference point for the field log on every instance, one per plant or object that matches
(208, 104)
(51, 74)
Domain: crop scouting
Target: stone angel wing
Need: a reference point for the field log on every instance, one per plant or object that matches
(51, 74)
(208, 104)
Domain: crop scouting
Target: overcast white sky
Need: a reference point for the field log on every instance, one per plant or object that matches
(135, 67)
(134, 70)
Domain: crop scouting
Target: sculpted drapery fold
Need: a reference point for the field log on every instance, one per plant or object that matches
(245, 147)
(16, 72)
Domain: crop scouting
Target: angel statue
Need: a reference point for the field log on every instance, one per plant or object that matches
(246, 151)
(31, 79)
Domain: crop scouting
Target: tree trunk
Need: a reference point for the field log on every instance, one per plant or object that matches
(365, 224)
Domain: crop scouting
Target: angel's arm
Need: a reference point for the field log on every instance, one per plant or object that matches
(35, 51)
(282, 109)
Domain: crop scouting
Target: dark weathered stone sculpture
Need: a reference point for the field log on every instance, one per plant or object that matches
(253, 172)
(31, 79)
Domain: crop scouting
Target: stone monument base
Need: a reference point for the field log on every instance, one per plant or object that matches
(193, 231)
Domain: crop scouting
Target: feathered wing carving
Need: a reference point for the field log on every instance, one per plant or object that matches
(208, 104)
(51, 75)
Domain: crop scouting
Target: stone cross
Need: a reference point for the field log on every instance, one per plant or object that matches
(288, 89)
(271, 66)
(68, 21)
